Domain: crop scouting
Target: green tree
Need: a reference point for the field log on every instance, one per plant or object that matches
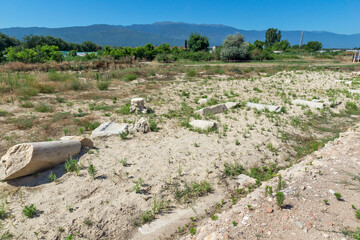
(258, 44)
(281, 46)
(234, 48)
(197, 42)
(89, 46)
(313, 46)
(272, 36)
(6, 41)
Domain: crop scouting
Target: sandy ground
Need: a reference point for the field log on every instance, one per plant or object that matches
(335, 168)
(107, 207)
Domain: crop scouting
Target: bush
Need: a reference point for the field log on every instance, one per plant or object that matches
(33, 55)
(103, 85)
(164, 58)
(130, 77)
(43, 108)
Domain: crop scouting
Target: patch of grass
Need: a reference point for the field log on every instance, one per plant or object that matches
(4, 113)
(130, 77)
(52, 177)
(43, 108)
(29, 211)
(27, 104)
(88, 222)
(185, 192)
(191, 73)
(92, 170)
(124, 110)
(103, 85)
(24, 122)
(147, 216)
(3, 213)
(153, 125)
(6, 235)
(357, 214)
(71, 165)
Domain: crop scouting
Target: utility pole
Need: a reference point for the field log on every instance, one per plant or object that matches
(301, 39)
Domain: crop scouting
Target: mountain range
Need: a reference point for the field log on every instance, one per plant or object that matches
(174, 34)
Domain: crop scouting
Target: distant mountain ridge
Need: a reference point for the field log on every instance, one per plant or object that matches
(174, 34)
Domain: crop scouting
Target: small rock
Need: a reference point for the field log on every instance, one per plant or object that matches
(270, 210)
(331, 223)
(142, 125)
(326, 235)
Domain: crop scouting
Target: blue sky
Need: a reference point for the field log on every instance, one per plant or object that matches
(340, 16)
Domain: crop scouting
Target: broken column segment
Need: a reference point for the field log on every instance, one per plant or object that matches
(138, 105)
(28, 158)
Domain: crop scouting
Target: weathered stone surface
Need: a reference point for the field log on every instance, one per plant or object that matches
(312, 104)
(142, 125)
(261, 107)
(28, 158)
(203, 124)
(203, 100)
(354, 91)
(110, 128)
(85, 142)
(344, 81)
(138, 105)
(244, 181)
(219, 108)
(230, 105)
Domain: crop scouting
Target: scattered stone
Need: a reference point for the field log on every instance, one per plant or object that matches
(270, 210)
(331, 223)
(142, 125)
(138, 105)
(311, 104)
(203, 125)
(298, 224)
(309, 224)
(261, 107)
(219, 108)
(214, 236)
(230, 105)
(110, 128)
(85, 142)
(203, 100)
(326, 235)
(28, 158)
(244, 181)
(354, 91)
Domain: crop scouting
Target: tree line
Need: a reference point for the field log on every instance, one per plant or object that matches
(34, 48)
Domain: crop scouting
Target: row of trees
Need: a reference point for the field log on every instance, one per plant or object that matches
(32, 41)
(40, 49)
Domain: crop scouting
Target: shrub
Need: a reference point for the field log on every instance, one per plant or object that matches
(337, 196)
(103, 85)
(29, 211)
(92, 170)
(357, 214)
(164, 58)
(191, 73)
(280, 198)
(153, 125)
(130, 77)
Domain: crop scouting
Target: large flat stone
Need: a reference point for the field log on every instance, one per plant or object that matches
(219, 108)
(110, 128)
(230, 105)
(28, 158)
(203, 124)
(261, 107)
(312, 104)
